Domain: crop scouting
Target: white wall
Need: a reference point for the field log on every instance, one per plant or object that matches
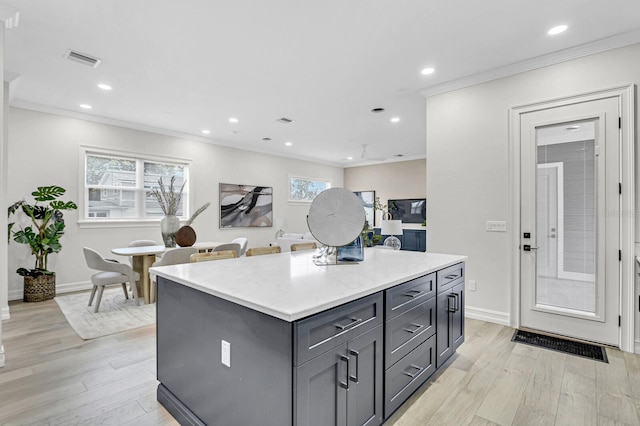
(44, 150)
(403, 179)
(468, 163)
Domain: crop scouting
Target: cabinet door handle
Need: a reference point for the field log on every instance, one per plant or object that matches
(414, 293)
(356, 354)
(345, 384)
(451, 276)
(451, 297)
(414, 330)
(413, 376)
(353, 323)
(457, 301)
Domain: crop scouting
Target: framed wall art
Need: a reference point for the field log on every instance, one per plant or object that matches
(245, 206)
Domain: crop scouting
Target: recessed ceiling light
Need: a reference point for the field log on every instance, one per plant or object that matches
(233, 120)
(557, 30)
(349, 158)
(85, 106)
(377, 110)
(288, 143)
(266, 139)
(427, 71)
(104, 86)
(206, 132)
(395, 119)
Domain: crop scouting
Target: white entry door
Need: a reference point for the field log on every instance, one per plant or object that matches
(570, 225)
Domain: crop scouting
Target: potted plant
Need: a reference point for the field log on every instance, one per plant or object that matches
(43, 238)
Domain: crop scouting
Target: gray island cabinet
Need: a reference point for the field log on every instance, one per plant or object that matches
(276, 340)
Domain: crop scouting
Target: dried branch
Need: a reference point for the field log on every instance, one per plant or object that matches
(197, 212)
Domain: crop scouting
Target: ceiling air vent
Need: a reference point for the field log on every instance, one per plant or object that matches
(284, 120)
(82, 58)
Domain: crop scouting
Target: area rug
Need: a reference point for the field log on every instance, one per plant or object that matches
(116, 313)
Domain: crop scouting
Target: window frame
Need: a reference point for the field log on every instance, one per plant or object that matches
(84, 221)
(329, 184)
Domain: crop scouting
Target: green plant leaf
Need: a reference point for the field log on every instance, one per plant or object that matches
(61, 205)
(48, 193)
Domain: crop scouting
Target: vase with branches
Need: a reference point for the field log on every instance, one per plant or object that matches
(169, 200)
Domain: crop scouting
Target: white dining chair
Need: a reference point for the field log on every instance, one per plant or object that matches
(243, 244)
(174, 256)
(111, 272)
(229, 246)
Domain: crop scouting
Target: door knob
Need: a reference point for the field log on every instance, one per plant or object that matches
(527, 247)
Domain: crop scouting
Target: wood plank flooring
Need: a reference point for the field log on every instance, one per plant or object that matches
(52, 377)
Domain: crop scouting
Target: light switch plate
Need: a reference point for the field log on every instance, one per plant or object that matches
(496, 226)
(225, 349)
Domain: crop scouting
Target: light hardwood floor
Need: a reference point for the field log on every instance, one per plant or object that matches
(52, 377)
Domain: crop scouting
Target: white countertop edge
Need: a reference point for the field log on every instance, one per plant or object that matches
(290, 316)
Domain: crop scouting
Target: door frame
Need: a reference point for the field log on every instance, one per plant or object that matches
(626, 98)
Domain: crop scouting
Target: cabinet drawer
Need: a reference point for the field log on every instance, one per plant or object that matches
(405, 296)
(321, 332)
(449, 277)
(403, 378)
(406, 331)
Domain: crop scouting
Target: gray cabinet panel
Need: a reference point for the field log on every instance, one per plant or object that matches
(321, 390)
(405, 332)
(450, 322)
(365, 395)
(458, 317)
(319, 333)
(414, 240)
(405, 296)
(450, 277)
(404, 377)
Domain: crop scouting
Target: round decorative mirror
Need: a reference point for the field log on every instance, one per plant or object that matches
(336, 217)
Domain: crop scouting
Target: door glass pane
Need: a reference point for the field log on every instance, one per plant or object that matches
(566, 216)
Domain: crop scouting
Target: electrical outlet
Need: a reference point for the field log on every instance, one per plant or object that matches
(472, 285)
(225, 349)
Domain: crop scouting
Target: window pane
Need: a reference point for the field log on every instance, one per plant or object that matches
(111, 203)
(302, 189)
(152, 174)
(111, 171)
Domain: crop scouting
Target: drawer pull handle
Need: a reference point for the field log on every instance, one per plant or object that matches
(418, 371)
(451, 297)
(356, 354)
(414, 330)
(414, 293)
(353, 323)
(451, 276)
(345, 384)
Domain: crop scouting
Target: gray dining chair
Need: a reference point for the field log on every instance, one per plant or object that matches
(174, 256)
(111, 272)
(229, 246)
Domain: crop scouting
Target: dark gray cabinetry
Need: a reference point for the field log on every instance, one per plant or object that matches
(414, 240)
(342, 385)
(410, 325)
(450, 311)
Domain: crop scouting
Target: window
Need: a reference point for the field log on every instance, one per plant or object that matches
(117, 187)
(305, 189)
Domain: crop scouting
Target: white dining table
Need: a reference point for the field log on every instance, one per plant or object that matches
(144, 256)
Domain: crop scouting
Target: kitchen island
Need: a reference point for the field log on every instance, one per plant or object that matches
(277, 340)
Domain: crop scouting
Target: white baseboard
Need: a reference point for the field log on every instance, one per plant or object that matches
(487, 315)
(1, 356)
(5, 314)
(636, 347)
(60, 289)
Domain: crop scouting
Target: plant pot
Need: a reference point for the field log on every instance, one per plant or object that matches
(40, 288)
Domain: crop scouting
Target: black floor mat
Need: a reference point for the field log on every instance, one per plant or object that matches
(572, 347)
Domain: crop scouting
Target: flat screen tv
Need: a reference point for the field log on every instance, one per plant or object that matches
(409, 210)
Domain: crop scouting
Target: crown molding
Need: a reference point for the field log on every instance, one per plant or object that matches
(18, 103)
(10, 15)
(565, 55)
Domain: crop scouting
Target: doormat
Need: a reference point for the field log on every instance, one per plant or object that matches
(571, 347)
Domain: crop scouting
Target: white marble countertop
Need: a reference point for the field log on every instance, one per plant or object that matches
(290, 287)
